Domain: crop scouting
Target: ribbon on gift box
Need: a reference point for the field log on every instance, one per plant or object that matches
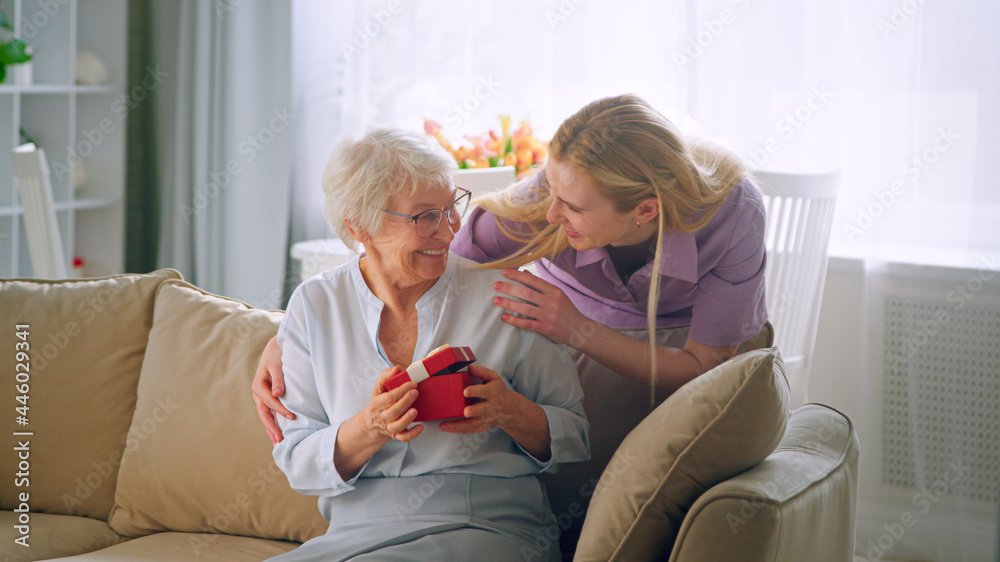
(417, 372)
(443, 360)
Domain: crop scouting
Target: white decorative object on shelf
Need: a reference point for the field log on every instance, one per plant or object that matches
(79, 178)
(90, 69)
(22, 74)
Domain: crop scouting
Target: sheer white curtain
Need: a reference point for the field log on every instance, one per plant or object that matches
(897, 94)
(224, 132)
(900, 95)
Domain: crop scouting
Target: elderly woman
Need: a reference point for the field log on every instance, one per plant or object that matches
(463, 489)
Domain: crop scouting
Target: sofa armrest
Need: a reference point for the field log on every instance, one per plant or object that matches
(799, 504)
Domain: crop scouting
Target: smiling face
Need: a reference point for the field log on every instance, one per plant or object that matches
(404, 258)
(589, 219)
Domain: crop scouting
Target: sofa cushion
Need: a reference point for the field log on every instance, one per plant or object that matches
(184, 547)
(52, 536)
(718, 425)
(202, 462)
(86, 341)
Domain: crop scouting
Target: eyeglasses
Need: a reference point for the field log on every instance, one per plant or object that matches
(428, 221)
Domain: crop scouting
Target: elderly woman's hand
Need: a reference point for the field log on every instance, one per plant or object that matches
(499, 406)
(387, 416)
(389, 412)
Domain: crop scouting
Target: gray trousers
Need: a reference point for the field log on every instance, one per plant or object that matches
(451, 517)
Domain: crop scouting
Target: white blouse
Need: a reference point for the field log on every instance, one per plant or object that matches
(332, 357)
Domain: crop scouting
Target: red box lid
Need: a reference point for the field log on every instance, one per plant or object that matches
(442, 361)
(447, 359)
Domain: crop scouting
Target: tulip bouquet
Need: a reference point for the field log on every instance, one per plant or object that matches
(519, 148)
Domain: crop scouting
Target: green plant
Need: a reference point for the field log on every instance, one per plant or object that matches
(12, 49)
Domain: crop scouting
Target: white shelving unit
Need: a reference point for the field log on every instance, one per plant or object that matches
(76, 125)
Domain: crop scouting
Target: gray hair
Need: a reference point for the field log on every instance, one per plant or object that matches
(362, 174)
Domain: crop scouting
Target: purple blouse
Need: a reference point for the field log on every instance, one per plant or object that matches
(712, 279)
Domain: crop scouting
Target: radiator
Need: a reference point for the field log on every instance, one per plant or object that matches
(941, 394)
(929, 486)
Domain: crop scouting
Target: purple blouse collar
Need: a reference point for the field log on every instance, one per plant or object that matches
(679, 258)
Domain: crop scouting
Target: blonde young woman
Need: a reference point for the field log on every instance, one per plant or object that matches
(621, 186)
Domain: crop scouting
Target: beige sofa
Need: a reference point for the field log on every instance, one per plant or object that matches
(141, 443)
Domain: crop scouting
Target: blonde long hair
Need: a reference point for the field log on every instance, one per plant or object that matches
(633, 153)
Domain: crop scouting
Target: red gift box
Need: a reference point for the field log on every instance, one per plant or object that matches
(439, 383)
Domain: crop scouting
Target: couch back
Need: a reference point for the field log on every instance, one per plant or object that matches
(85, 342)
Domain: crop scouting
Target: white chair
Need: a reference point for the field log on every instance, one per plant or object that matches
(32, 171)
(799, 217)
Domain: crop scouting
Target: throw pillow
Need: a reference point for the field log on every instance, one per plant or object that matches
(201, 462)
(716, 426)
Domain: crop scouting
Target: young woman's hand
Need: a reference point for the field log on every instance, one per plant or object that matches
(549, 310)
(268, 385)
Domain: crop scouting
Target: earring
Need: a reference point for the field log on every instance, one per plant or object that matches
(638, 224)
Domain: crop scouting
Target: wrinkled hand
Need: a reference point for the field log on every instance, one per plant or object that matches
(550, 311)
(498, 405)
(268, 385)
(389, 412)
